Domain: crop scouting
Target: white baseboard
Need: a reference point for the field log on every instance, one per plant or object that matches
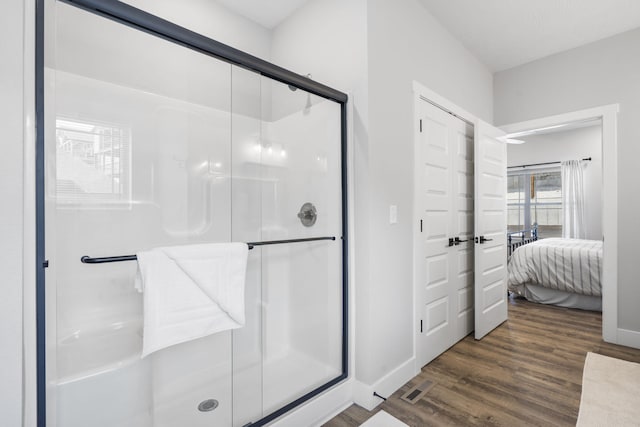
(326, 406)
(628, 338)
(321, 408)
(386, 386)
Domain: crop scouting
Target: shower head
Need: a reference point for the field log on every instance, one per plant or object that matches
(292, 88)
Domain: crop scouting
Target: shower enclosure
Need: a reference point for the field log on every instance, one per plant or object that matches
(155, 136)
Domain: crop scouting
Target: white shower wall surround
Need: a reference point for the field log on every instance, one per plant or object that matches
(151, 144)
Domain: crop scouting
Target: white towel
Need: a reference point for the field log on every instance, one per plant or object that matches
(190, 292)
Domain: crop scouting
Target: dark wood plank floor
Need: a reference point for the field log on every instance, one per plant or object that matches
(526, 372)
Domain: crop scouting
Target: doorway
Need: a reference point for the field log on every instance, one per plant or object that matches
(534, 189)
(608, 117)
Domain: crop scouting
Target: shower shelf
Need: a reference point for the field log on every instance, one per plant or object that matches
(89, 260)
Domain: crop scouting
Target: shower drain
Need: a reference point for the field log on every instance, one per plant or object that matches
(208, 405)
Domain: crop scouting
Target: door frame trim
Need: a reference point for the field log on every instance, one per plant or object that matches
(422, 93)
(609, 116)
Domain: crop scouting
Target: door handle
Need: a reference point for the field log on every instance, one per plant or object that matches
(457, 241)
(483, 239)
(451, 242)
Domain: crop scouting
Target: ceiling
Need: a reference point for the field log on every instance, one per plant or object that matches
(506, 33)
(500, 33)
(269, 14)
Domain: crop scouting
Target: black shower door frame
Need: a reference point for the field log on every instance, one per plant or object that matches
(143, 21)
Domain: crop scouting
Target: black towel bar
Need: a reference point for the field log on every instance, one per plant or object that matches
(89, 260)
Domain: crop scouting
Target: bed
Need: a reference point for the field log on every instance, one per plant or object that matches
(563, 272)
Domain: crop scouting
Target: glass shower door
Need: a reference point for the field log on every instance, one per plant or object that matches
(152, 144)
(301, 282)
(286, 155)
(138, 156)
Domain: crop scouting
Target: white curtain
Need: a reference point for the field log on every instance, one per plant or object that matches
(573, 223)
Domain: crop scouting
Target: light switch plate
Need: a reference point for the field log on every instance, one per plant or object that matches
(393, 214)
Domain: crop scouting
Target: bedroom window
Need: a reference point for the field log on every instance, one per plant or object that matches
(535, 197)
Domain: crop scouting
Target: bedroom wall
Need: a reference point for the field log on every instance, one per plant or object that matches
(569, 145)
(600, 73)
(406, 43)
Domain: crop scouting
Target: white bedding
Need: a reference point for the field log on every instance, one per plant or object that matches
(569, 265)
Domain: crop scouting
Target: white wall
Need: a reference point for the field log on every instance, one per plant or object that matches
(213, 20)
(569, 145)
(11, 223)
(405, 44)
(343, 44)
(600, 73)
(326, 38)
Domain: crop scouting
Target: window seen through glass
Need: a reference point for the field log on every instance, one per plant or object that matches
(92, 162)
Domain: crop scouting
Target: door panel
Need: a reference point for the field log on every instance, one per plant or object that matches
(445, 203)
(437, 315)
(435, 193)
(464, 313)
(490, 224)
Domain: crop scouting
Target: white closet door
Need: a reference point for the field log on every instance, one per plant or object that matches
(462, 265)
(445, 207)
(491, 229)
(435, 187)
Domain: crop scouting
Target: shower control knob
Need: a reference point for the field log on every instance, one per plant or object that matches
(208, 405)
(308, 214)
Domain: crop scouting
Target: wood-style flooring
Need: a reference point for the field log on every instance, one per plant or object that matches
(528, 371)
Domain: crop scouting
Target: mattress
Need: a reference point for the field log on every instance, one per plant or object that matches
(567, 265)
